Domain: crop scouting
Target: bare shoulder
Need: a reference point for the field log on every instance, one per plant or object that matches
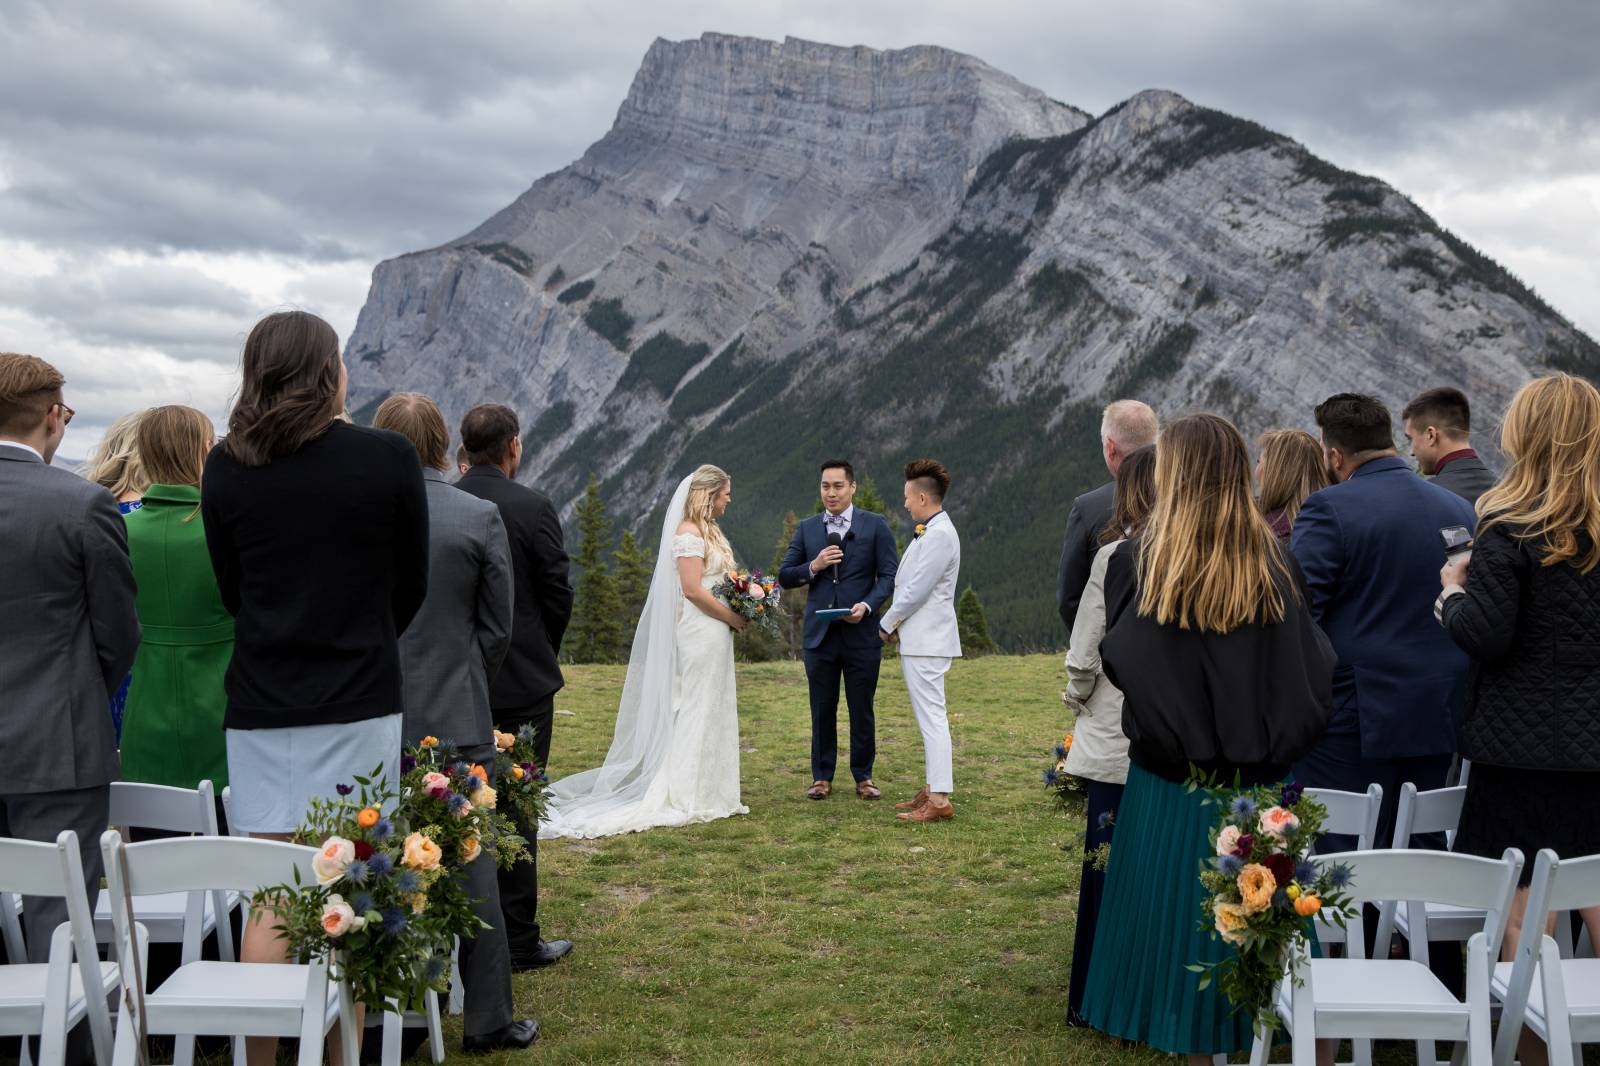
(687, 526)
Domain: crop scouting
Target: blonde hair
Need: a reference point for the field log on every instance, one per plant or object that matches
(418, 419)
(1208, 560)
(1293, 466)
(114, 464)
(173, 444)
(705, 485)
(1551, 490)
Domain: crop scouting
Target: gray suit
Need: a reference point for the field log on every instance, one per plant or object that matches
(448, 656)
(1467, 477)
(69, 631)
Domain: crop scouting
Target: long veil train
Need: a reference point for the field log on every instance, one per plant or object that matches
(601, 801)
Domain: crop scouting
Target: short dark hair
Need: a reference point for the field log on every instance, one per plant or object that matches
(1445, 408)
(1355, 423)
(840, 464)
(487, 432)
(930, 475)
(418, 419)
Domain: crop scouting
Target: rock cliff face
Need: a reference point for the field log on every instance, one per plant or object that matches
(786, 250)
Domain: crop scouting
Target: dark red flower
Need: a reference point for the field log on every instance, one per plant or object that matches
(363, 850)
(1281, 867)
(1242, 849)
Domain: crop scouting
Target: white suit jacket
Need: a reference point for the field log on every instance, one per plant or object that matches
(924, 607)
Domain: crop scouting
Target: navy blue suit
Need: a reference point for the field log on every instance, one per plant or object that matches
(835, 650)
(1370, 551)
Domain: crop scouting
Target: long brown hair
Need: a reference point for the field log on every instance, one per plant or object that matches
(1135, 495)
(1293, 466)
(1551, 490)
(290, 391)
(173, 444)
(1208, 560)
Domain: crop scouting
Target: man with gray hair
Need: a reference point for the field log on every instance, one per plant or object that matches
(1126, 426)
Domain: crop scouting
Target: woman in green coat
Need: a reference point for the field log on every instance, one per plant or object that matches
(172, 726)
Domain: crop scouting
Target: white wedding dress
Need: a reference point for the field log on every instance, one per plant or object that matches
(674, 757)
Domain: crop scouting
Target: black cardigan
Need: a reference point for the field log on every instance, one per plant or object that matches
(1533, 633)
(1251, 702)
(321, 556)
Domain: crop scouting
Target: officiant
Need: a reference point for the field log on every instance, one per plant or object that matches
(847, 557)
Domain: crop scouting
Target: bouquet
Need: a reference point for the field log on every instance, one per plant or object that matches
(1071, 791)
(522, 780)
(387, 905)
(1262, 889)
(751, 595)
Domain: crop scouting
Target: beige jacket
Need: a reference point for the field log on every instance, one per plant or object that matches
(1099, 749)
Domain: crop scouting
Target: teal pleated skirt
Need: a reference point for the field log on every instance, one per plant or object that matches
(1149, 928)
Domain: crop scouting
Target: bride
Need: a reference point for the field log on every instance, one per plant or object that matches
(674, 757)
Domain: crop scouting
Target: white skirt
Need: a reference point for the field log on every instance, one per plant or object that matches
(274, 774)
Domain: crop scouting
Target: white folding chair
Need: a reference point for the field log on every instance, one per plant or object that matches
(202, 997)
(170, 916)
(1383, 998)
(48, 999)
(1349, 814)
(1435, 811)
(1562, 1006)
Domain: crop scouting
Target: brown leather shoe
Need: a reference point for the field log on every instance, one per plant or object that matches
(867, 790)
(914, 802)
(930, 812)
(819, 790)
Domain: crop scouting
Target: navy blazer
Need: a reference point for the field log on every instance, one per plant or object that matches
(865, 576)
(1370, 551)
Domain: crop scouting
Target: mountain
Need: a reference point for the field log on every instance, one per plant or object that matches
(786, 251)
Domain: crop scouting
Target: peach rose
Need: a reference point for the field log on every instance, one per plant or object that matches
(338, 918)
(1228, 839)
(486, 797)
(504, 741)
(1230, 921)
(421, 853)
(1256, 886)
(335, 854)
(757, 592)
(1275, 821)
(470, 849)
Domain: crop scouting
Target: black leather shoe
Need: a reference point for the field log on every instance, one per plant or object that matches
(548, 953)
(515, 1036)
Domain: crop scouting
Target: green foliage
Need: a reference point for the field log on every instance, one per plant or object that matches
(1201, 134)
(508, 255)
(595, 633)
(1365, 194)
(578, 290)
(635, 565)
(1576, 355)
(661, 362)
(1337, 232)
(557, 276)
(1421, 260)
(973, 626)
(1059, 289)
(607, 318)
(551, 423)
(1159, 362)
(711, 386)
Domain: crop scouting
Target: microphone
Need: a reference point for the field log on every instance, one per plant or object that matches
(835, 540)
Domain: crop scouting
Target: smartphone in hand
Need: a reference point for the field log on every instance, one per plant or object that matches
(1457, 539)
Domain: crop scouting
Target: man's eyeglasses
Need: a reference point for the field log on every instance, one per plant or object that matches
(66, 413)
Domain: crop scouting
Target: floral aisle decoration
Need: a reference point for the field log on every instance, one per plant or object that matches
(1263, 888)
(751, 594)
(387, 904)
(522, 782)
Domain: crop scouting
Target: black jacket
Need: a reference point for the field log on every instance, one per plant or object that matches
(1467, 477)
(1090, 512)
(1534, 636)
(321, 556)
(1251, 701)
(542, 604)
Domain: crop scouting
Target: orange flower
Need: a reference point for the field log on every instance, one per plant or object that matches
(421, 853)
(1256, 886)
(761, 608)
(1230, 921)
(367, 818)
(429, 742)
(1306, 906)
(1067, 743)
(480, 773)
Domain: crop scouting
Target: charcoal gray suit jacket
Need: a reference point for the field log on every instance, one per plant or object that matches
(1090, 512)
(68, 625)
(1468, 478)
(455, 645)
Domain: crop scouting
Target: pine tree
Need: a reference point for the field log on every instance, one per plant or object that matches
(974, 627)
(634, 570)
(595, 634)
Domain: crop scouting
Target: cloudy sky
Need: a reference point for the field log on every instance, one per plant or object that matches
(172, 169)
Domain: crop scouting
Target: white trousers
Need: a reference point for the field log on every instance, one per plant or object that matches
(924, 676)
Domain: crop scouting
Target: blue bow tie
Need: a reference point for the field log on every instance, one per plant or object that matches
(837, 520)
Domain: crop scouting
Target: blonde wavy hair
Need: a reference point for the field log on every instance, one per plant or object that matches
(1293, 466)
(705, 485)
(1208, 560)
(1551, 490)
(114, 464)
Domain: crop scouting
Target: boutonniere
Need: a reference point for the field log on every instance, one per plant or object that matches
(920, 529)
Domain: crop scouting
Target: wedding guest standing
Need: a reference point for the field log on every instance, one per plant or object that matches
(448, 656)
(1524, 606)
(1438, 424)
(114, 465)
(318, 535)
(1290, 466)
(1125, 427)
(1211, 594)
(524, 691)
(68, 633)
(172, 732)
(1099, 752)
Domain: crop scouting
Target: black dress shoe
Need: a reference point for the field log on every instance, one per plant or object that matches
(517, 1035)
(548, 953)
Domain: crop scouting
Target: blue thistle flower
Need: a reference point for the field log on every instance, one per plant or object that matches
(1242, 807)
(361, 902)
(1105, 819)
(407, 882)
(1061, 752)
(380, 864)
(383, 829)
(1050, 777)
(1339, 875)
(394, 921)
(356, 872)
(1280, 900)
(434, 969)
(1305, 872)
(458, 803)
(1229, 864)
